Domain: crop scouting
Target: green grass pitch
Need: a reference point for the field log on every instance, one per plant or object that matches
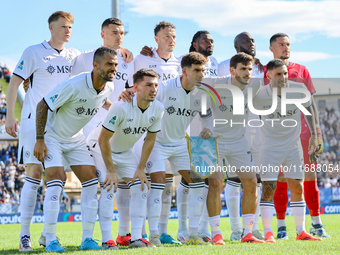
(70, 237)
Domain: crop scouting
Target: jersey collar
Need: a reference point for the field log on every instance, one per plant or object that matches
(134, 101)
(155, 54)
(89, 80)
(46, 45)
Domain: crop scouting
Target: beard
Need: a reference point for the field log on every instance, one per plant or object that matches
(247, 51)
(105, 76)
(205, 52)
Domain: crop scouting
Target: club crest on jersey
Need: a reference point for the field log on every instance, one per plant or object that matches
(125, 66)
(152, 119)
(53, 98)
(21, 65)
(113, 120)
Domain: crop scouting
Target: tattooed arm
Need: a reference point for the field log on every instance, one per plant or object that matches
(40, 149)
(268, 190)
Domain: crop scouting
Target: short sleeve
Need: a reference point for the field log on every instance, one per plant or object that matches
(59, 95)
(114, 117)
(26, 65)
(157, 124)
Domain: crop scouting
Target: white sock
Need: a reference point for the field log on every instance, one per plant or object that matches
(195, 204)
(166, 206)
(154, 206)
(182, 207)
(28, 199)
(123, 196)
(281, 223)
(316, 220)
(51, 209)
(299, 213)
(247, 222)
(232, 196)
(204, 221)
(105, 212)
(215, 225)
(89, 207)
(138, 203)
(267, 212)
(257, 213)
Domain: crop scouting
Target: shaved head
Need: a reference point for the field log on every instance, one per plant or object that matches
(244, 42)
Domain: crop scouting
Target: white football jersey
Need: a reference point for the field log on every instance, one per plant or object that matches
(123, 78)
(129, 123)
(211, 67)
(46, 67)
(235, 126)
(181, 107)
(166, 70)
(252, 133)
(73, 103)
(275, 134)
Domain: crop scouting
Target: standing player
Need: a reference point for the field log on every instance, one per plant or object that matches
(123, 126)
(46, 65)
(281, 146)
(78, 99)
(280, 46)
(113, 36)
(233, 146)
(243, 42)
(203, 43)
(168, 67)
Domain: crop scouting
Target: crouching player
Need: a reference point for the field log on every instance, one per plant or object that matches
(124, 125)
(76, 99)
(281, 146)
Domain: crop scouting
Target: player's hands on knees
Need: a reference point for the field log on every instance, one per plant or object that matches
(147, 51)
(11, 127)
(110, 180)
(26, 84)
(127, 55)
(126, 95)
(313, 144)
(40, 150)
(206, 133)
(139, 174)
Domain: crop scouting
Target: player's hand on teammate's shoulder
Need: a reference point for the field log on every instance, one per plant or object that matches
(206, 133)
(147, 51)
(139, 174)
(11, 126)
(258, 63)
(40, 150)
(126, 95)
(111, 180)
(127, 55)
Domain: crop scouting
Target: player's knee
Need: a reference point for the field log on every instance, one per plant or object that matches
(215, 185)
(34, 171)
(310, 176)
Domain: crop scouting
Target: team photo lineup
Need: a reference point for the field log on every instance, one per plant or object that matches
(121, 121)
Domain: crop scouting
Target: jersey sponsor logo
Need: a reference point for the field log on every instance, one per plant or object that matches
(278, 114)
(183, 112)
(50, 69)
(53, 98)
(121, 76)
(169, 76)
(89, 112)
(60, 69)
(113, 120)
(210, 72)
(135, 130)
(129, 120)
(82, 100)
(152, 66)
(173, 98)
(21, 65)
